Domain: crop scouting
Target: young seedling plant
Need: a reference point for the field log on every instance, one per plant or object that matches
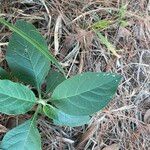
(68, 102)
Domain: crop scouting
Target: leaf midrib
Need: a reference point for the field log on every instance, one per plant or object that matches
(81, 92)
(27, 135)
(31, 121)
(33, 42)
(26, 100)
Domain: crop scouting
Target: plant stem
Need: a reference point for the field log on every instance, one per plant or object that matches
(36, 113)
(41, 101)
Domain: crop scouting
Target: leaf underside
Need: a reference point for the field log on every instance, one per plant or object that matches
(53, 79)
(86, 93)
(26, 62)
(63, 119)
(15, 98)
(24, 137)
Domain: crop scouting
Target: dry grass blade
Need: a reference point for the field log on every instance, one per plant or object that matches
(3, 129)
(72, 53)
(85, 137)
(109, 46)
(147, 117)
(112, 147)
(3, 44)
(57, 34)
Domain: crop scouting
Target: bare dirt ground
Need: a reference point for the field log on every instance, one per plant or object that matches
(68, 26)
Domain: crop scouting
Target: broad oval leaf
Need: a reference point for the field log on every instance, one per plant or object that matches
(15, 98)
(26, 62)
(31, 40)
(86, 93)
(4, 74)
(63, 119)
(53, 79)
(24, 137)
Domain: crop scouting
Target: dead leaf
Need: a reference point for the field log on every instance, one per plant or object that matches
(69, 42)
(148, 127)
(87, 135)
(3, 129)
(84, 37)
(112, 147)
(11, 122)
(123, 32)
(147, 116)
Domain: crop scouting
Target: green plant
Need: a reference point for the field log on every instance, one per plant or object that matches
(106, 42)
(68, 102)
(121, 16)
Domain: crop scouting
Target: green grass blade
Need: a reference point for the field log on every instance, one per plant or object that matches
(109, 46)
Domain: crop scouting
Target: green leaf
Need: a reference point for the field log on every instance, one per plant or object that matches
(86, 93)
(15, 98)
(38, 46)
(121, 17)
(102, 24)
(122, 12)
(124, 23)
(53, 79)
(63, 119)
(4, 74)
(24, 137)
(25, 61)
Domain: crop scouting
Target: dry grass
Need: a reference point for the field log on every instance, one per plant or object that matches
(66, 24)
